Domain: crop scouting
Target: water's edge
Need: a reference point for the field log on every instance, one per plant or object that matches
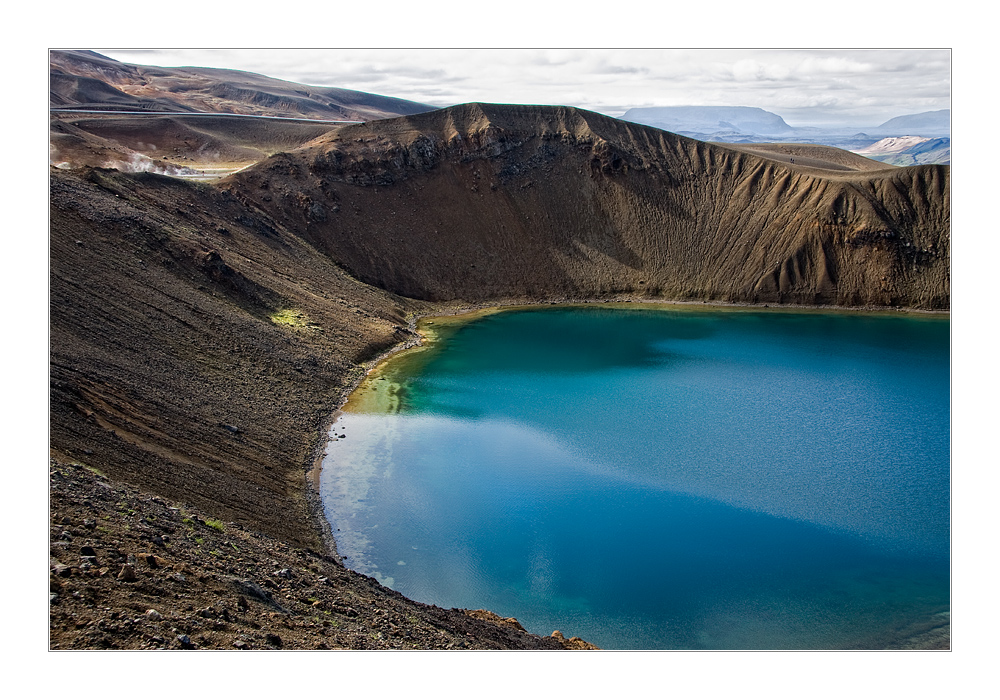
(463, 313)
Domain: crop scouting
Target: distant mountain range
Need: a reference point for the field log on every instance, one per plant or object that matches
(936, 123)
(712, 120)
(755, 125)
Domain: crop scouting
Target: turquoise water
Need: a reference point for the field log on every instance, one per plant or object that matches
(658, 479)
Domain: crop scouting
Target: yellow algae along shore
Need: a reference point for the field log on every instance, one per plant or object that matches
(378, 391)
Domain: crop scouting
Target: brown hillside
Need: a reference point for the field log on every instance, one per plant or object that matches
(195, 142)
(811, 155)
(481, 202)
(165, 144)
(87, 79)
(167, 368)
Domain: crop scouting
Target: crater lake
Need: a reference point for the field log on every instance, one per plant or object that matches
(660, 476)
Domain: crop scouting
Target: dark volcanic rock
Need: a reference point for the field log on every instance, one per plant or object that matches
(215, 604)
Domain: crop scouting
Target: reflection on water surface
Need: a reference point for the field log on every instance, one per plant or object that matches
(657, 479)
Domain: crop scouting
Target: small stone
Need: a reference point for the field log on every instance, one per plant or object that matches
(240, 644)
(153, 615)
(185, 641)
(127, 573)
(88, 552)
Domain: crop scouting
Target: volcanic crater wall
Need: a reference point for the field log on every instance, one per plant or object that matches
(200, 335)
(481, 202)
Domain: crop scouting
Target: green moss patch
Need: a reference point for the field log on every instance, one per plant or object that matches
(216, 525)
(293, 318)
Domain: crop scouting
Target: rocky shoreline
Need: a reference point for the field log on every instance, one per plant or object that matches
(132, 570)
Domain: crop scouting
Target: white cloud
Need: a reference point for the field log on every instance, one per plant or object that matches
(857, 87)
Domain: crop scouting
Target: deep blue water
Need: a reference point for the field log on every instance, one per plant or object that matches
(651, 478)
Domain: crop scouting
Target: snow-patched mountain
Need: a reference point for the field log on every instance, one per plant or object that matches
(909, 150)
(893, 144)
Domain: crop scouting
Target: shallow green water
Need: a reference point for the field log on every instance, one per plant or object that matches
(649, 478)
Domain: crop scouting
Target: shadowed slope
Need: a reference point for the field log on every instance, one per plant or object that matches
(481, 202)
(197, 348)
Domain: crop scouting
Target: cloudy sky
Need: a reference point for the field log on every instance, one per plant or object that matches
(808, 87)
